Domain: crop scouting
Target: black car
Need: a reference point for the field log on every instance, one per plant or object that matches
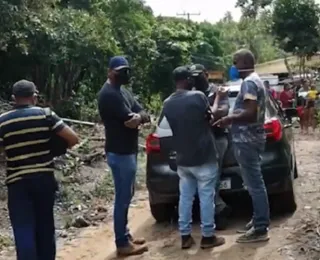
(278, 163)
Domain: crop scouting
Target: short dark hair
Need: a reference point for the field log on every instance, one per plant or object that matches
(246, 56)
(24, 88)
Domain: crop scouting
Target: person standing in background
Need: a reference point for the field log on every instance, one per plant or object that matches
(286, 96)
(269, 89)
(220, 108)
(188, 114)
(25, 134)
(312, 95)
(248, 137)
(122, 115)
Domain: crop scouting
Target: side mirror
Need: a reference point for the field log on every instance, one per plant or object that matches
(291, 112)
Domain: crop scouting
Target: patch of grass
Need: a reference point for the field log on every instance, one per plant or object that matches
(105, 188)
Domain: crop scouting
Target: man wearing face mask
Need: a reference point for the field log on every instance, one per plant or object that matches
(188, 114)
(248, 138)
(122, 115)
(220, 108)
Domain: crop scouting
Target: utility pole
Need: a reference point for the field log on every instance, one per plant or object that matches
(188, 15)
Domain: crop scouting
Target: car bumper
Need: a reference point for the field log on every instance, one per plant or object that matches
(163, 183)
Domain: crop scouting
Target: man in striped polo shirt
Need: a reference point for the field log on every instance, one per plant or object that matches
(25, 132)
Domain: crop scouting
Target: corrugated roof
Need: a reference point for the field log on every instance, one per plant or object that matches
(278, 66)
(274, 66)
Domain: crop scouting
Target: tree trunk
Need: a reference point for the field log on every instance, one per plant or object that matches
(286, 62)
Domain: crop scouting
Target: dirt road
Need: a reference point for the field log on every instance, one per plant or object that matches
(289, 235)
(164, 240)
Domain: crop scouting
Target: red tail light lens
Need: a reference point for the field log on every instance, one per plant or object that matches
(273, 129)
(152, 143)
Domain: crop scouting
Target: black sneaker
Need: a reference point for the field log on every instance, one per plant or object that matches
(247, 227)
(187, 242)
(253, 236)
(210, 242)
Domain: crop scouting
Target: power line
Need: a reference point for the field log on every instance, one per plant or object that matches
(188, 15)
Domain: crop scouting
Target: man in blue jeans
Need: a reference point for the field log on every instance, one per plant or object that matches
(248, 138)
(188, 114)
(122, 115)
(220, 107)
(25, 134)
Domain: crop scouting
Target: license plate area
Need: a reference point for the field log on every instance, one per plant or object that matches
(225, 184)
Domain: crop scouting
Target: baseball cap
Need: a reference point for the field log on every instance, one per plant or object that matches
(118, 63)
(197, 69)
(24, 88)
(181, 73)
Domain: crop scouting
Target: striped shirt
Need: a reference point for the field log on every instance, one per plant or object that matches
(24, 134)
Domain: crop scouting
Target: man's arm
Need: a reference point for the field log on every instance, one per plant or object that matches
(112, 104)
(206, 106)
(220, 106)
(1, 141)
(64, 131)
(137, 108)
(250, 96)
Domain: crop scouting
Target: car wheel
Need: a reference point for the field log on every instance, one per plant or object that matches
(284, 202)
(163, 212)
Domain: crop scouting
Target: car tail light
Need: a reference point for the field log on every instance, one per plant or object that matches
(273, 129)
(152, 143)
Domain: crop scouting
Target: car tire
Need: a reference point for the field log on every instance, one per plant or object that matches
(163, 212)
(284, 202)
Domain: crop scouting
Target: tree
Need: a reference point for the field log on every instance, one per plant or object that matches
(64, 47)
(251, 8)
(296, 26)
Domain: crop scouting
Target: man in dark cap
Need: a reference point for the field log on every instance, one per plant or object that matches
(219, 102)
(188, 114)
(122, 116)
(25, 134)
(248, 139)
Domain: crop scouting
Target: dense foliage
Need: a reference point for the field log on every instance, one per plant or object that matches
(64, 47)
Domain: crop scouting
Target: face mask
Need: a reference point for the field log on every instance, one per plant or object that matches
(234, 73)
(201, 83)
(123, 77)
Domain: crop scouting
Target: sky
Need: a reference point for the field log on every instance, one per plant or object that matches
(210, 10)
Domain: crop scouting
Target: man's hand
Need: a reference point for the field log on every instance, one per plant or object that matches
(222, 92)
(134, 122)
(223, 122)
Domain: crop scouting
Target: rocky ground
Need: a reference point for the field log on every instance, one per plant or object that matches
(292, 237)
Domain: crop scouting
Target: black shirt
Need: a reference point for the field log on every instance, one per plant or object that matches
(187, 115)
(115, 104)
(24, 134)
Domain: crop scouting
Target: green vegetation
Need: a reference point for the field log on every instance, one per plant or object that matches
(64, 45)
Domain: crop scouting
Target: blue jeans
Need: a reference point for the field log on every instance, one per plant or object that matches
(202, 178)
(248, 156)
(221, 145)
(30, 204)
(124, 168)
